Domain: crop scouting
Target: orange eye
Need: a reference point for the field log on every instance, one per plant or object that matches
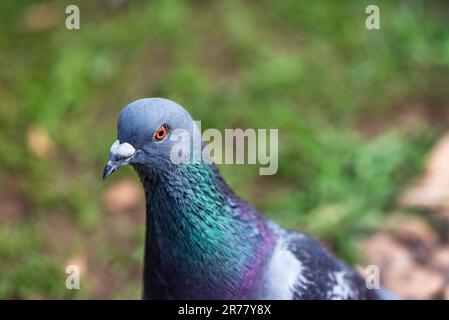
(161, 133)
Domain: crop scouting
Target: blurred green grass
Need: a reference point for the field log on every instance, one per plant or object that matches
(356, 110)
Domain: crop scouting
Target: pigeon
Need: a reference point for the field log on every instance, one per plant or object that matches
(205, 242)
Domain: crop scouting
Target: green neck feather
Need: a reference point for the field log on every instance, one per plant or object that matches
(202, 240)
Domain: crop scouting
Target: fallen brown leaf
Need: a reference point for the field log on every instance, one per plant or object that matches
(413, 281)
(412, 229)
(79, 261)
(40, 143)
(39, 17)
(123, 196)
(432, 189)
(384, 251)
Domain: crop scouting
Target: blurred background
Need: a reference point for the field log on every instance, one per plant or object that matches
(362, 117)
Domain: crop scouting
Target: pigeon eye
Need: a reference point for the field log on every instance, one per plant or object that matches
(161, 133)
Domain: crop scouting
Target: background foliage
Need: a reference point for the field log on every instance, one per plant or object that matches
(356, 110)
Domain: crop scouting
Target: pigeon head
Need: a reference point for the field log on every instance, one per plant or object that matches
(147, 133)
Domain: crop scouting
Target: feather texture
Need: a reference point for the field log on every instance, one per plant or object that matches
(205, 242)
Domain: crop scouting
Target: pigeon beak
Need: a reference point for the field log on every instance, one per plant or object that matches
(121, 154)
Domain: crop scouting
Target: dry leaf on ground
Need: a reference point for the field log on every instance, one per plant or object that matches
(39, 17)
(432, 189)
(40, 143)
(414, 282)
(79, 261)
(124, 196)
(383, 250)
(411, 229)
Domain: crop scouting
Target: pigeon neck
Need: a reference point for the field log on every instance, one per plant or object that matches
(202, 240)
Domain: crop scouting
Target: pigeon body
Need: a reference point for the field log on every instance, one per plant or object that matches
(205, 242)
